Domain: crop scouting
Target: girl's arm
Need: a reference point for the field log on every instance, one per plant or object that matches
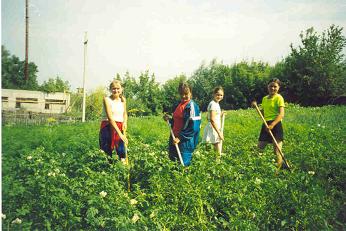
(166, 118)
(125, 118)
(213, 123)
(111, 121)
(278, 118)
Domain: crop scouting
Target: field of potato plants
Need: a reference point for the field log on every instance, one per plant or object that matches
(54, 177)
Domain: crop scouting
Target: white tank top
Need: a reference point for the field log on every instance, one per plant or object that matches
(117, 110)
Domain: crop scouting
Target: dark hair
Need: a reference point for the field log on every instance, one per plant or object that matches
(218, 88)
(275, 80)
(183, 86)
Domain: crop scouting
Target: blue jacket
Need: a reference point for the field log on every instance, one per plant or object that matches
(192, 124)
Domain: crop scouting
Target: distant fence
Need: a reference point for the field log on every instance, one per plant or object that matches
(33, 118)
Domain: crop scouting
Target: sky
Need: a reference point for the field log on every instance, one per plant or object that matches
(166, 37)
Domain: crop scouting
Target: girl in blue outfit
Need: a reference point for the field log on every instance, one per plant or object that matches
(185, 123)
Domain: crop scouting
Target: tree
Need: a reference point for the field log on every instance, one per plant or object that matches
(143, 94)
(55, 85)
(149, 92)
(248, 83)
(205, 79)
(94, 104)
(315, 70)
(170, 92)
(129, 85)
(12, 72)
(242, 83)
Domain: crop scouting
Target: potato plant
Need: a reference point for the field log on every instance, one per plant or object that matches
(54, 177)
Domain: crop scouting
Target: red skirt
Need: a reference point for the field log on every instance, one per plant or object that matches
(113, 138)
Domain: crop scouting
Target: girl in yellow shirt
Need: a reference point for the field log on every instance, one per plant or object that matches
(273, 110)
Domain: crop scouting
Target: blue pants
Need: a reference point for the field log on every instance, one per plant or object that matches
(185, 154)
(105, 141)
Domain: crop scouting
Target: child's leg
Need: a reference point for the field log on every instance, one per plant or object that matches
(217, 147)
(172, 151)
(278, 156)
(120, 149)
(186, 156)
(105, 140)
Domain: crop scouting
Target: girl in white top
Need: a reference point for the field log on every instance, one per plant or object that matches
(212, 132)
(114, 122)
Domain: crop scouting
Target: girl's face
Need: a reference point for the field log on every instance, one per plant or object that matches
(218, 96)
(116, 90)
(273, 88)
(185, 95)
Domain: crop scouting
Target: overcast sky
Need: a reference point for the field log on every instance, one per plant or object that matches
(166, 37)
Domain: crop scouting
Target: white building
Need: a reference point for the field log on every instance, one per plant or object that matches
(34, 101)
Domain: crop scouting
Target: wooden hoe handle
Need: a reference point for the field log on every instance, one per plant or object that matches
(271, 134)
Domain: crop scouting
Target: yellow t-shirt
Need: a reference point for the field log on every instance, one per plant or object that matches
(271, 106)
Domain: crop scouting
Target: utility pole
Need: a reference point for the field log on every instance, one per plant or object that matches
(84, 92)
(26, 71)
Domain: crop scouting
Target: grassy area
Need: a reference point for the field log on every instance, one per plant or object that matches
(55, 177)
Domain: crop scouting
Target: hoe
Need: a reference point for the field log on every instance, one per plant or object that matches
(271, 134)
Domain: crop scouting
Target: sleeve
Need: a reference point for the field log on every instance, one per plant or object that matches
(213, 106)
(262, 102)
(171, 120)
(281, 102)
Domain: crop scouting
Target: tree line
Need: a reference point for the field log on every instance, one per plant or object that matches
(313, 74)
(12, 76)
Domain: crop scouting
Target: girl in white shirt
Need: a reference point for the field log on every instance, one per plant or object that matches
(212, 132)
(114, 122)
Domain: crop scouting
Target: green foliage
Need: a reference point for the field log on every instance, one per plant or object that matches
(205, 79)
(242, 83)
(55, 178)
(12, 76)
(130, 86)
(248, 83)
(12, 72)
(55, 85)
(136, 108)
(170, 91)
(149, 92)
(143, 94)
(94, 104)
(76, 101)
(315, 71)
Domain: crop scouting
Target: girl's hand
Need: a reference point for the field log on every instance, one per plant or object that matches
(270, 127)
(176, 140)
(124, 139)
(165, 117)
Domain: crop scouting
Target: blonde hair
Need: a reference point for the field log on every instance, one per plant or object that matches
(118, 82)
